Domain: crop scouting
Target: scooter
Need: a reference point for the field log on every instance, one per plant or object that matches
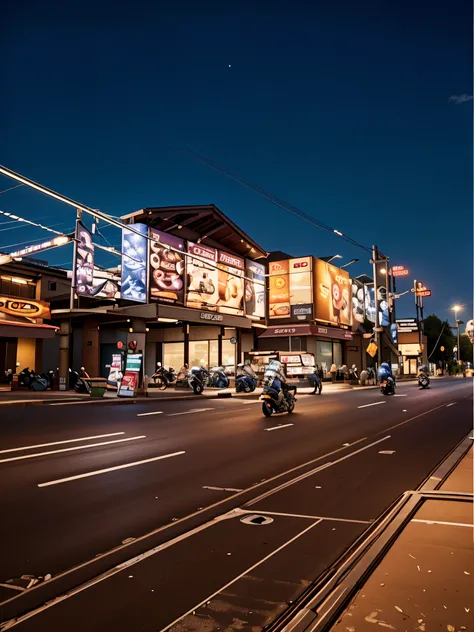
(272, 402)
(387, 387)
(77, 383)
(218, 378)
(198, 378)
(163, 378)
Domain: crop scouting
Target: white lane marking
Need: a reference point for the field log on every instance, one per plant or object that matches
(110, 469)
(402, 423)
(387, 452)
(188, 412)
(290, 515)
(46, 445)
(77, 447)
(452, 404)
(155, 412)
(246, 572)
(314, 471)
(404, 395)
(374, 404)
(222, 489)
(164, 528)
(447, 524)
(278, 427)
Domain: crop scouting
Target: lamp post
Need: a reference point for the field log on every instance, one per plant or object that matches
(456, 309)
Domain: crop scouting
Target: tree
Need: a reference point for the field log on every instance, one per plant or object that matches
(466, 348)
(439, 334)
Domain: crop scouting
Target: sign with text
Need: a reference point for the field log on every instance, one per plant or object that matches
(31, 310)
(167, 268)
(407, 325)
(398, 271)
(230, 279)
(212, 316)
(129, 383)
(84, 264)
(279, 289)
(202, 274)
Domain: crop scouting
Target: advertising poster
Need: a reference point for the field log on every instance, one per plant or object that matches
(382, 297)
(105, 285)
(254, 289)
(332, 294)
(279, 289)
(370, 303)
(301, 288)
(129, 383)
(166, 268)
(84, 264)
(358, 301)
(115, 372)
(202, 277)
(230, 278)
(134, 264)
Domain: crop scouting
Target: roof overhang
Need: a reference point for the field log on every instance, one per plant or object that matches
(15, 329)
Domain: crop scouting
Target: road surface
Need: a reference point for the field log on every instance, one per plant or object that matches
(88, 487)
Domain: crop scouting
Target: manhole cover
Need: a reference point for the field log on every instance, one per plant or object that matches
(256, 519)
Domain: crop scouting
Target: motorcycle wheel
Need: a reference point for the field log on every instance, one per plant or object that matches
(267, 409)
(161, 383)
(225, 382)
(291, 406)
(198, 388)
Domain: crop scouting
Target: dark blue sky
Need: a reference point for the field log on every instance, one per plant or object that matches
(341, 108)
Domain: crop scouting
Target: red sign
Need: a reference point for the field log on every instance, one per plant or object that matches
(230, 260)
(399, 273)
(119, 344)
(424, 293)
(198, 250)
(397, 268)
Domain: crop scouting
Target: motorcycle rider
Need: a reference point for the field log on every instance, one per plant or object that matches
(385, 373)
(274, 378)
(245, 370)
(422, 373)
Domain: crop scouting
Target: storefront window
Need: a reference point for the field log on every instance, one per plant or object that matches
(324, 355)
(213, 353)
(199, 353)
(337, 353)
(173, 355)
(228, 353)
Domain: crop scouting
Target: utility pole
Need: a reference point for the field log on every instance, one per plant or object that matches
(379, 259)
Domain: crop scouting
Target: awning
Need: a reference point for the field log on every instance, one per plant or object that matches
(307, 330)
(10, 329)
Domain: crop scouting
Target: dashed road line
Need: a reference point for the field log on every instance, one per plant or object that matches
(222, 489)
(278, 427)
(189, 412)
(373, 404)
(155, 412)
(46, 445)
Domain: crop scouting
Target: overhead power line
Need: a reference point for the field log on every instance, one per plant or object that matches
(290, 208)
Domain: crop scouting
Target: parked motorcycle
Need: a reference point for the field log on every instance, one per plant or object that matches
(32, 380)
(163, 378)
(198, 378)
(423, 380)
(77, 383)
(387, 386)
(273, 403)
(218, 378)
(245, 384)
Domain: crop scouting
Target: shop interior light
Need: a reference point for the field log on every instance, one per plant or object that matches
(130, 330)
(259, 325)
(20, 281)
(179, 227)
(167, 320)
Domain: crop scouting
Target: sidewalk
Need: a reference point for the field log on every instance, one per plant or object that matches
(426, 579)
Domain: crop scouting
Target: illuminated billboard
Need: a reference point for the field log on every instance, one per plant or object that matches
(202, 277)
(230, 278)
(167, 268)
(279, 289)
(84, 264)
(254, 289)
(134, 263)
(332, 294)
(358, 301)
(301, 288)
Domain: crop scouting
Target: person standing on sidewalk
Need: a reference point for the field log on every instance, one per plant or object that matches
(333, 372)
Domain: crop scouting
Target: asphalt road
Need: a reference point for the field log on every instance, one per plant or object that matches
(78, 480)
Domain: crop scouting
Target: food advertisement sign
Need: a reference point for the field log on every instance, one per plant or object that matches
(254, 289)
(84, 264)
(279, 292)
(332, 294)
(129, 383)
(202, 277)
(167, 268)
(106, 285)
(134, 263)
(231, 270)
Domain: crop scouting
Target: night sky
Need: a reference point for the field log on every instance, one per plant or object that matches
(344, 109)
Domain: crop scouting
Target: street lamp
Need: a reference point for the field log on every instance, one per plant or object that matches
(329, 259)
(456, 309)
(349, 263)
